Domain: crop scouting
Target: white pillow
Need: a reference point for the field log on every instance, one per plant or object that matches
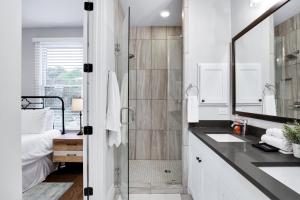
(49, 120)
(33, 121)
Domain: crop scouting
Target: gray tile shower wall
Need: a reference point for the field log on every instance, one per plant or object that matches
(155, 85)
(287, 37)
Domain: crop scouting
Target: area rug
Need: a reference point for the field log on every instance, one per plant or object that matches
(154, 197)
(47, 191)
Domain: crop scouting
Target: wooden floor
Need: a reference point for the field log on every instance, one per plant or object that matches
(70, 173)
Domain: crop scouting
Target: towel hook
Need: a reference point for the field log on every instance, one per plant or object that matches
(190, 87)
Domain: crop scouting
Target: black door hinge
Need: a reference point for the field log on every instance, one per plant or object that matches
(88, 191)
(88, 130)
(88, 67)
(88, 6)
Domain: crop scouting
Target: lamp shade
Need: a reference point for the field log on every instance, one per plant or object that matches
(77, 105)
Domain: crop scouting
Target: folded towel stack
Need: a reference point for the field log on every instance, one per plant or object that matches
(275, 132)
(275, 138)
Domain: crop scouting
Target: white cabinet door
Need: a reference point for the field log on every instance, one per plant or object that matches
(195, 176)
(203, 171)
(235, 186)
(210, 170)
(213, 83)
(248, 83)
(195, 169)
(227, 193)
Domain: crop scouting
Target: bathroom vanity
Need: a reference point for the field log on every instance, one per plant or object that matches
(234, 169)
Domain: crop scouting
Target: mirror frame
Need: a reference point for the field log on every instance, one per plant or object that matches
(265, 15)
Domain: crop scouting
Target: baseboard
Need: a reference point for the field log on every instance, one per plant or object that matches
(111, 193)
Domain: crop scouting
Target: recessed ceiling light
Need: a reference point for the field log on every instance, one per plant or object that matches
(164, 13)
(255, 3)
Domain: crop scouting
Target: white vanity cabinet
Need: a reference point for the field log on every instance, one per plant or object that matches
(214, 179)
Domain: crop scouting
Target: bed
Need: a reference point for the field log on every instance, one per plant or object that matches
(37, 147)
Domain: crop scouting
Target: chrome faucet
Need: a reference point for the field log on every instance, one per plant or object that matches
(241, 122)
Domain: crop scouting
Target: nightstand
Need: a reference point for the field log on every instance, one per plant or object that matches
(68, 148)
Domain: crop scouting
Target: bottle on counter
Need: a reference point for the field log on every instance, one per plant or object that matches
(237, 129)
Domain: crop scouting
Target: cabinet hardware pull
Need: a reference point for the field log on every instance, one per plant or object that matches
(71, 154)
(199, 160)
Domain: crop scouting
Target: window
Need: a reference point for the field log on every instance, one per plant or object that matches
(58, 65)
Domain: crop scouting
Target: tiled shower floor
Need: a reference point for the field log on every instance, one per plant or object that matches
(155, 176)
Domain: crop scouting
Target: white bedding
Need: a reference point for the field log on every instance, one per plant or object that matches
(36, 146)
(36, 160)
(37, 172)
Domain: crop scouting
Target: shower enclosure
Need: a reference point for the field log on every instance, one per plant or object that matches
(287, 68)
(155, 95)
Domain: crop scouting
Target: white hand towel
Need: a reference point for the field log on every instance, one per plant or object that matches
(277, 142)
(192, 109)
(113, 124)
(124, 104)
(269, 105)
(275, 132)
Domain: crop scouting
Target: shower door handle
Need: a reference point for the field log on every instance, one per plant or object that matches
(132, 116)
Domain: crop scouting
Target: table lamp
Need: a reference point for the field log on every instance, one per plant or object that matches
(77, 106)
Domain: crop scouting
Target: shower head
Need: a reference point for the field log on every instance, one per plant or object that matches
(131, 56)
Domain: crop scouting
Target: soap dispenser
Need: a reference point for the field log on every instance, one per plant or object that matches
(236, 125)
(237, 129)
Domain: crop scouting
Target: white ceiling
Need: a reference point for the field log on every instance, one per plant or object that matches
(52, 13)
(69, 13)
(147, 12)
(289, 10)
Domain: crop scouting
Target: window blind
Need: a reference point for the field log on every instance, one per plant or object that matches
(58, 72)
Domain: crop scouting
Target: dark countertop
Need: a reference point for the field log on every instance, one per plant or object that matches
(246, 160)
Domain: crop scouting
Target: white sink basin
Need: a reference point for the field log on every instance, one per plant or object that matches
(225, 138)
(289, 176)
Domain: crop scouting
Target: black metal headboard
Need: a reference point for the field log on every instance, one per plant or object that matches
(38, 102)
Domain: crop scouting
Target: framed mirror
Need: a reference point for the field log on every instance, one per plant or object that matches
(266, 65)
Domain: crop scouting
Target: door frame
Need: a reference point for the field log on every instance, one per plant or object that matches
(100, 42)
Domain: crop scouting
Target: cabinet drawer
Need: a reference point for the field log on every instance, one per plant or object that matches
(68, 153)
(67, 156)
(72, 145)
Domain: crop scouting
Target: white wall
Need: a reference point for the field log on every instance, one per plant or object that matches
(208, 36)
(28, 51)
(241, 16)
(10, 90)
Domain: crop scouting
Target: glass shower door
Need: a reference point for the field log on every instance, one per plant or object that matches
(174, 105)
(121, 69)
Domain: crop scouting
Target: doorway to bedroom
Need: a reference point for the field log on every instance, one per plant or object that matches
(53, 54)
